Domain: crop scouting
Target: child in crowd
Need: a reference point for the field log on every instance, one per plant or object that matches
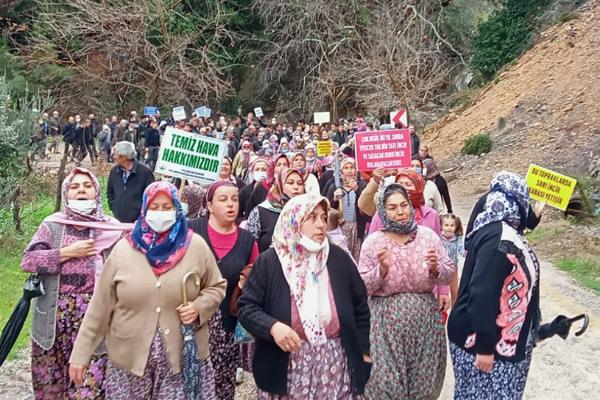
(452, 237)
(334, 232)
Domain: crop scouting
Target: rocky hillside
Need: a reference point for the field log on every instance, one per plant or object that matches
(544, 109)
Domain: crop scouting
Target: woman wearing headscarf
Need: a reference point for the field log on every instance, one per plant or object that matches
(68, 252)
(193, 196)
(258, 174)
(433, 174)
(310, 150)
(233, 249)
(345, 199)
(259, 192)
(306, 306)
(414, 183)
(432, 195)
(241, 161)
(226, 173)
(262, 219)
(493, 324)
(137, 306)
(311, 183)
(400, 265)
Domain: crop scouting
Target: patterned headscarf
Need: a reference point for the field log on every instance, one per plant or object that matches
(390, 225)
(416, 197)
(276, 198)
(304, 264)
(98, 214)
(194, 196)
(163, 250)
(507, 201)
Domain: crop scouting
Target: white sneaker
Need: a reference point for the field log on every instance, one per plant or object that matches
(239, 376)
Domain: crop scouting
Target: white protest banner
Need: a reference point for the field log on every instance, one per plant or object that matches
(203, 112)
(322, 117)
(190, 156)
(399, 116)
(179, 113)
(258, 112)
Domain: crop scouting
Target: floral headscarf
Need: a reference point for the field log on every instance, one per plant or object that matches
(98, 214)
(304, 264)
(416, 197)
(163, 250)
(390, 225)
(276, 198)
(507, 201)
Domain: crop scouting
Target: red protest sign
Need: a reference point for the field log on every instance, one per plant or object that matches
(382, 149)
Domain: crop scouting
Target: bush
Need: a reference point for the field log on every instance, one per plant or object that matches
(505, 35)
(478, 144)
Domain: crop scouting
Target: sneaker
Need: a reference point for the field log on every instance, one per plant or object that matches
(239, 376)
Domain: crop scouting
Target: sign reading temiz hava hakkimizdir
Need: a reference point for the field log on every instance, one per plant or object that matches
(382, 149)
(151, 111)
(179, 113)
(322, 117)
(190, 156)
(258, 112)
(550, 187)
(399, 117)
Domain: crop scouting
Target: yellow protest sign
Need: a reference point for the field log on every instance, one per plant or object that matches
(324, 148)
(550, 187)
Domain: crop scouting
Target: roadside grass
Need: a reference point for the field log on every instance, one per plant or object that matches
(11, 252)
(12, 245)
(585, 271)
(571, 248)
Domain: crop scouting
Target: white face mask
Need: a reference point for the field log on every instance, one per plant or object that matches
(260, 175)
(82, 206)
(161, 221)
(388, 180)
(184, 208)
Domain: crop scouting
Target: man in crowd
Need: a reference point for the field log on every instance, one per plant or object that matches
(39, 140)
(152, 144)
(69, 137)
(54, 124)
(126, 183)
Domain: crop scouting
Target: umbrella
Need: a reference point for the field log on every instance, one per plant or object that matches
(33, 288)
(561, 327)
(190, 371)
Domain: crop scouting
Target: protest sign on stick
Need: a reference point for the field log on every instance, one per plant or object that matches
(151, 111)
(382, 149)
(550, 187)
(324, 148)
(179, 113)
(189, 156)
(322, 117)
(258, 112)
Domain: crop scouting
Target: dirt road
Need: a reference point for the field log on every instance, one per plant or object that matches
(567, 369)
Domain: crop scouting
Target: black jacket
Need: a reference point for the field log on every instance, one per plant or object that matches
(125, 199)
(152, 138)
(231, 265)
(266, 300)
(487, 271)
(69, 133)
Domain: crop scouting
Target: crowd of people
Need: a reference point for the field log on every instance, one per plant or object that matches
(323, 281)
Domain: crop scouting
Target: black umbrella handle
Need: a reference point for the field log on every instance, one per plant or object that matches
(586, 323)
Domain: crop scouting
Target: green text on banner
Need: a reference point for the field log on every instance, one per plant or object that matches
(190, 156)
